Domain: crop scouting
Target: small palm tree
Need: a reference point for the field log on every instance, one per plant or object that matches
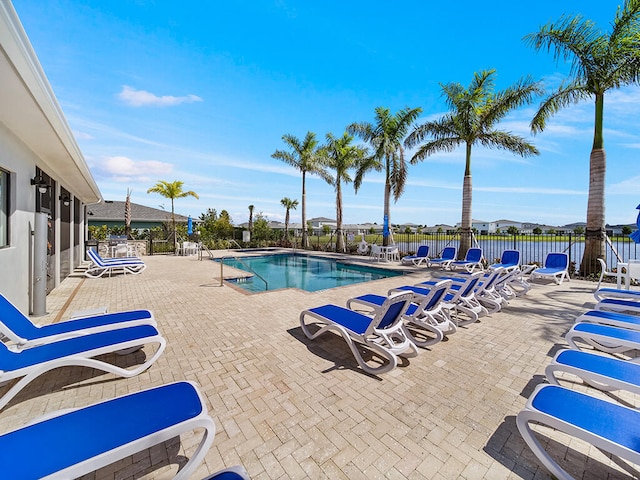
(288, 204)
(172, 190)
(385, 137)
(599, 62)
(341, 156)
(304, 157)
(474, 113)
(251, 207)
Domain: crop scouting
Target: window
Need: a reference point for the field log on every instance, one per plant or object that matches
(4, 208)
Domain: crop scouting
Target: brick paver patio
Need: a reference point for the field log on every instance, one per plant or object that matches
(287, 407)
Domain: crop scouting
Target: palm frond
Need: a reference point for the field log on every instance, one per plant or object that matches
(508, 141)
(435, 146)
(565, 95)
(515, 96)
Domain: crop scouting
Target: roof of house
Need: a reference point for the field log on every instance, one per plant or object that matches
(113, 210)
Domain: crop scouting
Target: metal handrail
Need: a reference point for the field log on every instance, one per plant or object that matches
(222, 259)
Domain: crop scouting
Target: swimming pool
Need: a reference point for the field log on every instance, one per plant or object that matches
(302, 271)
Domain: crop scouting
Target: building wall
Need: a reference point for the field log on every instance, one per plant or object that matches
(15, 259)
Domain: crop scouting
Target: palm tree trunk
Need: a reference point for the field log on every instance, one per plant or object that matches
(467, 218)
(286, 228)
(594, 242)
(387, 196)
(340, 247)
(173, 221)
(305, 237)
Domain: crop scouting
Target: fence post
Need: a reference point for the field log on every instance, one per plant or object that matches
(569, 252)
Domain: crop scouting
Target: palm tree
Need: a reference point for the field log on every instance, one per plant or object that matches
(599, 62)
(304, 157)
(474, 113)
(339, 155)
(386, 136)
(251, 207)
(288, 204)
(172, 190)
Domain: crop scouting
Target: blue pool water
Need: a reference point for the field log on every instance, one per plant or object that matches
(302, 271)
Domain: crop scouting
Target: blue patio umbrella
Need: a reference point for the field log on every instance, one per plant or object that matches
(385, 226)
(189, 226)
(635, 236)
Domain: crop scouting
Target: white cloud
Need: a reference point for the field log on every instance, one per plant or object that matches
(142, 98)
(630, 186)
(123, 169)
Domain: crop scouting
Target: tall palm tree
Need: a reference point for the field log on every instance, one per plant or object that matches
(341, 156)
(475, 111)
(172, 190)
(385, 137)
(304, 157)
(599, 62)
(288, 204)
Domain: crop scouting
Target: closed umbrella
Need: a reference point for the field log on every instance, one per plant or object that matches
(636, 235)
(189, 226)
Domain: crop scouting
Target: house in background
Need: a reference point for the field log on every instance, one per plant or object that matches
(111, 214)
(45, 182)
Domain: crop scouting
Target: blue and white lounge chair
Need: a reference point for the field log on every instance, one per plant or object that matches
(425, 313)
(459, 299)
(472, 259)
(509, 260)
(619, 293)
(607, 426)
(29, 363)
(615, 319)
(383, 333)
(69, 444)
(100, 266)
(20, 330)
(556, 266)
(422, 255)
(448, 255)
(619, 305)
(604, 338)
(602, 372)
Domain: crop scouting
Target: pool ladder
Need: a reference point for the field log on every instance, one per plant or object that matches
(266, 284)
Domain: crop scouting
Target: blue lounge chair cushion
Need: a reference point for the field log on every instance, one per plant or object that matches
(354, 321)
(57, 443)
(619, 303)
(599, 364)
(617, 424)
(10, 360)
(621, 319)
(378, 300)
(614, 332)
(23, 327)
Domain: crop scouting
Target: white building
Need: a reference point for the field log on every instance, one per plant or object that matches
(41, 234)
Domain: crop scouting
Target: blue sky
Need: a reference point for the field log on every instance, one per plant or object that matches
(202, 91)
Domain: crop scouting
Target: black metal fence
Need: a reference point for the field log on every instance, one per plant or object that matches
(533, 247)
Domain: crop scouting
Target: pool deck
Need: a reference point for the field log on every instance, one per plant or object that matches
(288, 407)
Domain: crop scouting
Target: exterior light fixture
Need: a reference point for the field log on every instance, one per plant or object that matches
(66, 201)
(40, 184)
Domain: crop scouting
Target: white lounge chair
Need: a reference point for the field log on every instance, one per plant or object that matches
(425, 312)
(100, 266)
(604, 272)
(615, 319)
(605, 338)
(447, 256)
(619, 293)
(422, 255)
(20, 330)
(619, 305)
(556, 267)
(69, 444)
(599, 371)
(509, 260)
(607, 426)
(29, 363)
(472, 259)
(383, 333)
